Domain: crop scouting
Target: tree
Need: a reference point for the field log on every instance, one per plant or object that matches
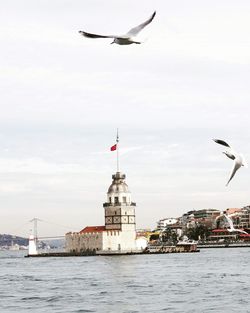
(200, 231)
(169, 235)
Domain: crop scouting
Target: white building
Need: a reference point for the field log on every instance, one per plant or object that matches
(163, 223)
(119, 232)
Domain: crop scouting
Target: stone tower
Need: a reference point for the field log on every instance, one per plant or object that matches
(119, 209)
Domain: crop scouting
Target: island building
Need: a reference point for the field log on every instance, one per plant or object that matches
(119, 232)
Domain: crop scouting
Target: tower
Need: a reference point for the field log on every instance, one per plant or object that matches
(119, 209)
(119, 233)
(119, 216)
(119, 212)
(33, 239)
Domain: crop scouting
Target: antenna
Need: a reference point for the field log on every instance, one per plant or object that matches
(117, 150)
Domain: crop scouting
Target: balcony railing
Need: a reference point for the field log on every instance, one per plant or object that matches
(106, 204)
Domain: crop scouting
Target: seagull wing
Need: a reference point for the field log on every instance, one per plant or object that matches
(230, 223)
(236, 166)
(89, 35)
(134, 31)
(229, 155)
(221, 142)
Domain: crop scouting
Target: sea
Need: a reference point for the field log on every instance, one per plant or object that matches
(213, 280)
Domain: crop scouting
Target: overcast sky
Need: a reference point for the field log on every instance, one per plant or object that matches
(63, 97)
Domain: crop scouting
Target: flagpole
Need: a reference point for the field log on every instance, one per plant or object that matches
(117, 151)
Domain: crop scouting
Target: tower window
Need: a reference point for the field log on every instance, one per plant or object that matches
(124, 199)
(116, 200)
(110, 200)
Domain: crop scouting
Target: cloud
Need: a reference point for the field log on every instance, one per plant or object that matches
(64, 96)
(35, 166)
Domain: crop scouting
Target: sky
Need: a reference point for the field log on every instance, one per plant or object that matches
(63, 96)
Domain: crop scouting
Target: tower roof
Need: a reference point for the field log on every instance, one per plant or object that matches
(118, 184)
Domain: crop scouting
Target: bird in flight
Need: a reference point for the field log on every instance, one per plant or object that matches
(126, 39)
(231, 225)
(231, 154)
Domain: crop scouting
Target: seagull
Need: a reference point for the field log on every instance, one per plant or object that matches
(231, 225)
(126, 39)
(231, 154)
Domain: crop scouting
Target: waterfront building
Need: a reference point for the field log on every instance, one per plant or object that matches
(206, 213)
(240, 217)
(225, 235)
(245, 218)
(187, 220)
(205, 217)
(165, 222)
(119, 231)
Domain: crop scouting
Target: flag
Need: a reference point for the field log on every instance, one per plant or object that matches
(113, 148)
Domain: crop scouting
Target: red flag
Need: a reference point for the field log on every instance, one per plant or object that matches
(113, 148)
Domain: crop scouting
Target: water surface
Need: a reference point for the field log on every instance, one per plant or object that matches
(214, 280)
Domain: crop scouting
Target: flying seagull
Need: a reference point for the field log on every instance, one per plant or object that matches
(231, 225)
(126, 39)
(231, 154)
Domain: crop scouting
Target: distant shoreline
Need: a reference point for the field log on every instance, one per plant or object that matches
(223, 245)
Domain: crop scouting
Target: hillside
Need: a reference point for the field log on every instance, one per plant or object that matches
(8, 240)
